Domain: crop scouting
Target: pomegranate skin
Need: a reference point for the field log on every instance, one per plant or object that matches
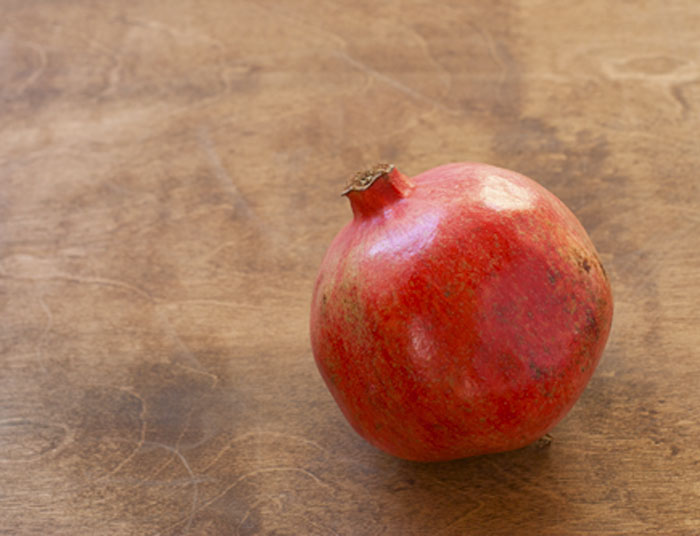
(460, 312)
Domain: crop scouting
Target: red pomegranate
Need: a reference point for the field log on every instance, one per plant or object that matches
(461, 311)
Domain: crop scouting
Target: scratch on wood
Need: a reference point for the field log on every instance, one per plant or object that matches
(491, 47)
(553, 497)
(36, 73)
(142, 435)
(258, 433)
(100, 281)
(221, 173)
(177, 33)
(460, 519)
(193, 481)
(242, 478)
(45, 332)
(677, 93)
(396, 84)
(246, 514)
(198, 367)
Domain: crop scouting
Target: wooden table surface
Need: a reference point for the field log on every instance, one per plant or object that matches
(170, 176)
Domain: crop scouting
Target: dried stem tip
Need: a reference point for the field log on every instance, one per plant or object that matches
(364, 179)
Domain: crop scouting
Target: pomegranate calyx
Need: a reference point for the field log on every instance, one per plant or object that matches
(362, 180)
(377, 188)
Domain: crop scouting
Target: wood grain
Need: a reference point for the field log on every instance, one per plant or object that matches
(169, 182)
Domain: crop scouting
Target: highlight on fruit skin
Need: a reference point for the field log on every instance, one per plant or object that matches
(459, 312)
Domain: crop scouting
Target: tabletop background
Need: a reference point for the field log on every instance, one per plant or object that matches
(169, 181)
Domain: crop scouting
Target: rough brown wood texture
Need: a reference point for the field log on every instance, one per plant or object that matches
(169, 177)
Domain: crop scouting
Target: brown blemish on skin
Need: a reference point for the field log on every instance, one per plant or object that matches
(586, 261)
(592, 324)
(600, 265)
(537, 372)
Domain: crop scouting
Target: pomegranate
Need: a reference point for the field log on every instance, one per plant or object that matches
(460, 312)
